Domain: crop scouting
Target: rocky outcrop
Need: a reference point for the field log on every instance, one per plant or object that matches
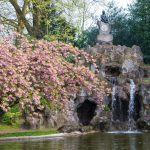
(118, 65)
(121, 62)
(146, 70)
(82, 111)
(118, 60)
(143, 123)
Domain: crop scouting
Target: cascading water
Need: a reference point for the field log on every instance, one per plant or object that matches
(131, 106)
(113, 81)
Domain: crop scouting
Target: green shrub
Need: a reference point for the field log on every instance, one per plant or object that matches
(147, 79)
(49, 104)
(70, 58)
(106, 108)
(12, 117)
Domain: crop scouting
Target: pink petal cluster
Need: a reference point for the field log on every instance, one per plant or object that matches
(32, 69)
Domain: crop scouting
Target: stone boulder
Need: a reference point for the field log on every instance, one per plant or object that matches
(143, 124)
(82, 109)
(146, 100)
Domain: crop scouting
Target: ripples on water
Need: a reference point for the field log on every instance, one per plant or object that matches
(95, 141)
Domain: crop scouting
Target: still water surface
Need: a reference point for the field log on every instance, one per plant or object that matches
(94, 141)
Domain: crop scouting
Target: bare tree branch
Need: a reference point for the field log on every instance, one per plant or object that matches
(8, 21)
(21, 15)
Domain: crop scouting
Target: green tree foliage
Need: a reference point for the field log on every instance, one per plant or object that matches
(129, 27)
(38, 18)
(139, 24)
(87, 37)
(132, 27)
(80, 12)
(55, 26)
(118, 20)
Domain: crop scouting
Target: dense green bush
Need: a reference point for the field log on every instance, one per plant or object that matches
(70, 58)
(106, 108)
(12, 117)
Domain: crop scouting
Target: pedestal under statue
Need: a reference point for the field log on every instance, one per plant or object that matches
(105, 29)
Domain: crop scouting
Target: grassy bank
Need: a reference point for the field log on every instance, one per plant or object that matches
(8, 128)
(146, 80)
(11, 131)
(29, 133)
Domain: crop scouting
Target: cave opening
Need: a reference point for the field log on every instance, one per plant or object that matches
(113, 70)
(86, 111)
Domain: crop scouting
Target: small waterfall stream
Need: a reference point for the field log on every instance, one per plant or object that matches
(131, 106)
(113, 81)
(113, 99)
(120, 110)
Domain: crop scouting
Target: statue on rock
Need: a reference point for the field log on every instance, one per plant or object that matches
(104, 36)
(104, 17)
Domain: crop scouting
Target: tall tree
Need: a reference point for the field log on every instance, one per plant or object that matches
(119, 23)
(80, 12)
(55, 26)
(28, 14)
(87, 37)
(118, 20)
(139, 22)
(37, 17)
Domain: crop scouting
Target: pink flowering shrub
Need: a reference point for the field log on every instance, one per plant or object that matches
(36, 69)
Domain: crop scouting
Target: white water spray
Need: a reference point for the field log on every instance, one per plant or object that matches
(131, 105)
(113, 96)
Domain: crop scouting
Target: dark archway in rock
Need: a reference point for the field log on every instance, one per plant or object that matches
(112, 70)
(86, 111)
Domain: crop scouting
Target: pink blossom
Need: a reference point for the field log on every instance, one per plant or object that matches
(38, 69)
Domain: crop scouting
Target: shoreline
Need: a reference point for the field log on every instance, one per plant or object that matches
(56, 135)
(17, 138)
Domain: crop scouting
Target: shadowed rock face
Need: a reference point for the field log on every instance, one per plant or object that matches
(122, 106)
(86, 112)
(119, 64)
(121, 110)
(112, 70)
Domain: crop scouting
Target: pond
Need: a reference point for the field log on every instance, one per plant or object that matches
(93, 141)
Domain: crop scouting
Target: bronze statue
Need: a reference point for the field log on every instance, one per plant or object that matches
(105, 35)
(104, 17)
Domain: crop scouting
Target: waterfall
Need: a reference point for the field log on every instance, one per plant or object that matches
(113, 81)
(113, 98)
(131, 106)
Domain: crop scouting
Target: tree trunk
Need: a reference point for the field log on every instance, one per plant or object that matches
(36, 21)
(22, 21)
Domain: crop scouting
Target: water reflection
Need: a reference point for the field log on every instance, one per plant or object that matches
(96, 141)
